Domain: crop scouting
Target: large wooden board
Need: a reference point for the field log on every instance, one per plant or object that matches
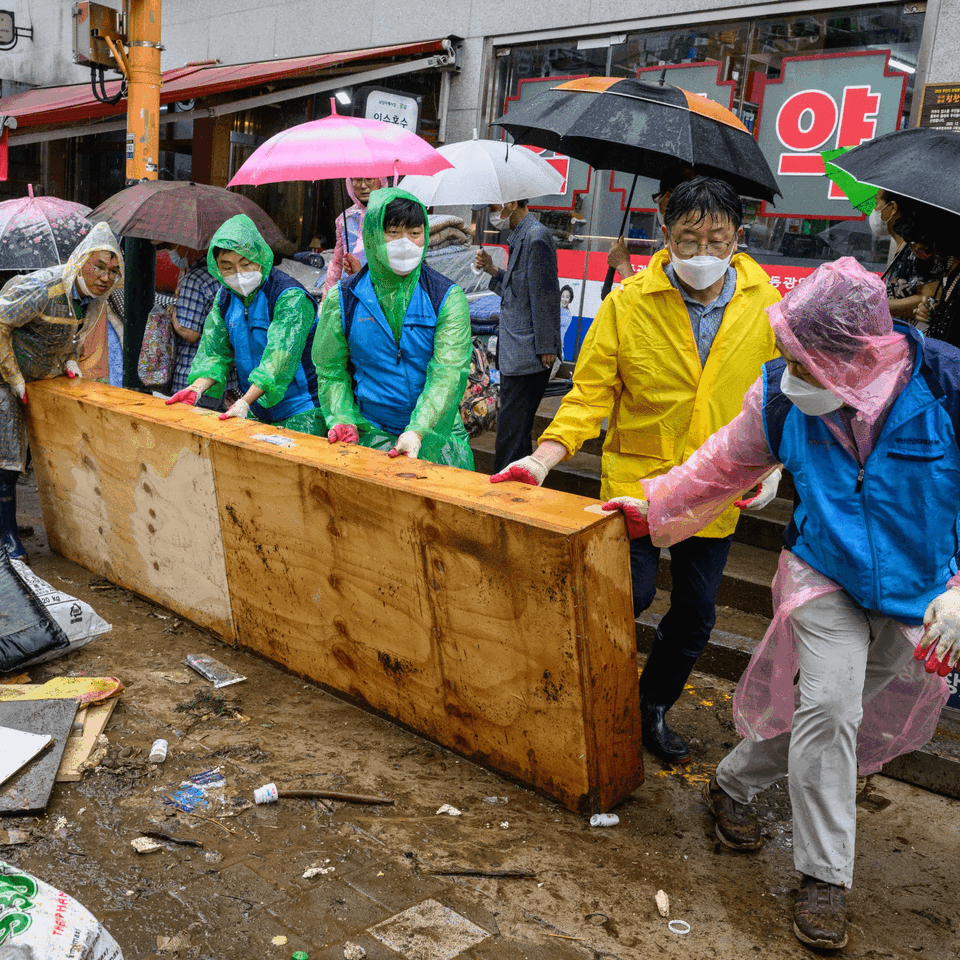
(493, 619)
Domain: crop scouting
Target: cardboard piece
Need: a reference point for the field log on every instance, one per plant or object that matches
(28, 792)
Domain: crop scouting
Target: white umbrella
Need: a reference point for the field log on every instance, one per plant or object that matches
(485, 171)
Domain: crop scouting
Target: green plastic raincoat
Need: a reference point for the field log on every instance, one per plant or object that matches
(291, 323)
(436, 415)
(44, 319)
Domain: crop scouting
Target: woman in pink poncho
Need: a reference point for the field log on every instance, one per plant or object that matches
(866, 417)
(348, 255)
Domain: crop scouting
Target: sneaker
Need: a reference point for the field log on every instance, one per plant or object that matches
(820, 914)
(737, 827)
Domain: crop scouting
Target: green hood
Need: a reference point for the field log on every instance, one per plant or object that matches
(240, 234)
(393, 291)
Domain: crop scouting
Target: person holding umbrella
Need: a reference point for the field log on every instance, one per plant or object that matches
(393, 345)
(865, 415)
(262, 322)
(348, 256)
(44, 318)
(666, 362)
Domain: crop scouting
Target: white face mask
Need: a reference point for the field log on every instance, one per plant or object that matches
(244, 282)
(176, 259)
(808, 399)
(877, 224)
(403, 255)
(700, 272)
(82, 286)
(498, 222)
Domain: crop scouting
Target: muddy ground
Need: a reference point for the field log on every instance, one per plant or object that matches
(591, 893)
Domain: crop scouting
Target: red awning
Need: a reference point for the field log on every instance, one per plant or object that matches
(54, 106)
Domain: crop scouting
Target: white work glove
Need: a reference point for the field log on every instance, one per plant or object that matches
(240, 409)
(634, 512)
(72, 369)
(20, 389)
(761, 494)
(407, 445)
(941, 622)
(528, 470)
(189, 395)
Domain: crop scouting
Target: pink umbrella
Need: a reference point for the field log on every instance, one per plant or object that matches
(339, 147)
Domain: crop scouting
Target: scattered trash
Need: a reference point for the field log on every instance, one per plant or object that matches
(158, 752)
(174, 944)
(19, 748)
(353, 951)
(269, 793)
(678, 926)
(452, 811)
(266, 794)
(494, 799)
(276, 440)
(146, 845)
(279, 940)
(219, 674)
(78, 620)
(311, 872)
(604, 820)
(195, 792)
(44, 923)
(663, 903)
(300, 955)
(505, 825)
(156, 835)
(11, 838)
(486, 874)
(213, 857)
(205, 704)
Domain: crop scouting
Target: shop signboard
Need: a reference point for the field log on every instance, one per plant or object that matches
(392, 107)
(940, 106)
(820, 103)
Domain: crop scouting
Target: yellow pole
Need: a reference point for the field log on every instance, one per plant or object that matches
(143, 90)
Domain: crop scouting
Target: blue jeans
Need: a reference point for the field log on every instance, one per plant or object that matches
(696, 568)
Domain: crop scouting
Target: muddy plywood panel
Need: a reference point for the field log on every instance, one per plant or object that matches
(493, 619)
(127, 491)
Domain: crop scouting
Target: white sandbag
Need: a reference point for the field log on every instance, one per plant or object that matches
(43, 923)
(78, 620)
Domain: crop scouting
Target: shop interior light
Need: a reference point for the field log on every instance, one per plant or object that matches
(343, 97)
(900, 65)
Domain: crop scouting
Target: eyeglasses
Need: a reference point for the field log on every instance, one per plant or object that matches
(717, 248)
(111, 273)
(358, 181)
(659, 195)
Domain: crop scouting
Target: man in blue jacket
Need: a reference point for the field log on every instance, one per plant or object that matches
(866, 417)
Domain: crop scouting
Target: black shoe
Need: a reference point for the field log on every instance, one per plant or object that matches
(820, 914)
(737, 826)
(659, 739)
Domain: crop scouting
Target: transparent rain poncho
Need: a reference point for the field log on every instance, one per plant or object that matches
(290, 325)
(436, 416)
(42, 326)
(838, 325)
(354, 216)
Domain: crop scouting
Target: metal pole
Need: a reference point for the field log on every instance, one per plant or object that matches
(594, 228)
(143, 154)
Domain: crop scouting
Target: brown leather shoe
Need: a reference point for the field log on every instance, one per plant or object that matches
(737, 827)
(820, 914)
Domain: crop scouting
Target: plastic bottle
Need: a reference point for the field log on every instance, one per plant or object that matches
(266, 794)
(604, 820)
(158, 752)
(300, 955)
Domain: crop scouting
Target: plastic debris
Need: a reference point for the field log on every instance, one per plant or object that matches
(353, 951)
(604, 820)
(219, 674)
(196, 792)
(451, 811)
(663, 903)
(678, 926)
(266, 794)
(158, 752)
(494, 799)
(146, 845)
(318, 871)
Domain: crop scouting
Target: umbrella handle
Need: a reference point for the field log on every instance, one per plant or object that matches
(608, 283)
(611, 271)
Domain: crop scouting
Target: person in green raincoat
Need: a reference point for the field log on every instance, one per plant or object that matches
(263, 322)
(392, 349)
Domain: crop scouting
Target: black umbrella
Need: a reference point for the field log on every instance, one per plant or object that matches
(922, 163)
(642, 128)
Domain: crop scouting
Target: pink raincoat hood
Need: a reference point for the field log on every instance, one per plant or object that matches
(838, 325)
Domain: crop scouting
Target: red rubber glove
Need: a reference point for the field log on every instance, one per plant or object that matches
(634, 512)
(343, 433)
(72, 369)
(187, 395)
(527, 470)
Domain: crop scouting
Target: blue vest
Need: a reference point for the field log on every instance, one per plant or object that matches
(389, 376)
(887, 533)
(247, 328)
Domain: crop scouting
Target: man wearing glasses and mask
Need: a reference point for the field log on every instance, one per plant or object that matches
(44, 318)
(667, 362)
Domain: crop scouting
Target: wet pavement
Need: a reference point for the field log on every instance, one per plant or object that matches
(375, 885)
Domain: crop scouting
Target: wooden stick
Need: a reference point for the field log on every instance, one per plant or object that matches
(333, 795)
(493, 874)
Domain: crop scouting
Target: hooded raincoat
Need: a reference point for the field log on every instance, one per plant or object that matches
(878, 485)
(351, 242)
(44, 318)
(640, 369)
(267, 335)
(399, 360)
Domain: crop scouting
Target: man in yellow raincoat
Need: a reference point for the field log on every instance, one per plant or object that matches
(44, 318)
(666, 362)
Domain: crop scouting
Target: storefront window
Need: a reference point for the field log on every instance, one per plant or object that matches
(800, 83)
